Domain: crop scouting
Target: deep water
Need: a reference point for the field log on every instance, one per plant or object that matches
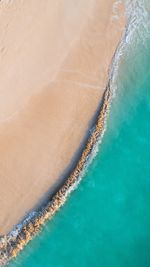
(106, 221)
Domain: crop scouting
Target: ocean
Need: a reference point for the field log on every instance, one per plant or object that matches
(106, 220)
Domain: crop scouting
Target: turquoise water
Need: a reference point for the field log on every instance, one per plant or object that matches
(106, 221)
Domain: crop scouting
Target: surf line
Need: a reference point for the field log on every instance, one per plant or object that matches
(12, 243)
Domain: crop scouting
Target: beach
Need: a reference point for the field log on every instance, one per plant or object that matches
(54, 62)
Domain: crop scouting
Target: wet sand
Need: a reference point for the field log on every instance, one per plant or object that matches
(54, 60)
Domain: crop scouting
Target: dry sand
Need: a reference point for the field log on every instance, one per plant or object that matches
(54, 59)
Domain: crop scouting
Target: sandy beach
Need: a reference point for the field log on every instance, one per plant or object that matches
(54, 61)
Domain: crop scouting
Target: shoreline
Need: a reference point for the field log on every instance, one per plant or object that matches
(12, 243)
(22, 233)
(51, 126)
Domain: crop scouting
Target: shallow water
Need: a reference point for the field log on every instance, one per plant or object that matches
(106, 221)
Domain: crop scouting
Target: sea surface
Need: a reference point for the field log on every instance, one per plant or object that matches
(106, 220)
